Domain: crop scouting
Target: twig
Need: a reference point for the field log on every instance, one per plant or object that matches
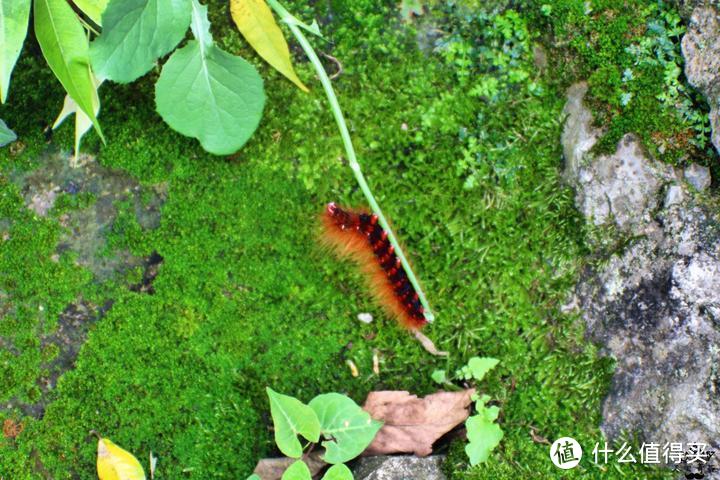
(336, 62)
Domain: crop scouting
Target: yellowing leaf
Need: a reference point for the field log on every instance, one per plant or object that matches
(114, 463)
(256, 22)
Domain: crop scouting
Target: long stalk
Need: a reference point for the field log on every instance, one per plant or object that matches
(294, 25)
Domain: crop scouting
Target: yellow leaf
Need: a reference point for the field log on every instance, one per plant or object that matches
(114, 463)
(256, 22)
(82, 121)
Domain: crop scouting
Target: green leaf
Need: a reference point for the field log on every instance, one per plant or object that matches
(482, 432)
(135, 34)
(64, 44)
(6, 135)
(254, 476)
(82, 121)
(348, 428)
(14, 17)
(338, 472)
(92, 8)
(478, 367)
(297, 471)
(291, 418)
(439, 376)
(206, 93)
(256, 22)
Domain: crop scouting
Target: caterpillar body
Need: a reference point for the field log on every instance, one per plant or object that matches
(358, 235)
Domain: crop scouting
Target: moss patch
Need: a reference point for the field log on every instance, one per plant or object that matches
(244, 298)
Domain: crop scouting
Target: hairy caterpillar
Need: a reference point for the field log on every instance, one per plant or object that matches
(357, 235)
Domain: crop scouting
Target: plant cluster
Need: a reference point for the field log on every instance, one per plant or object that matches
(202, 91)
(482, 432)
(333, 420)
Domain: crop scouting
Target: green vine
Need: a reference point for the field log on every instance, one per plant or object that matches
(295, 26)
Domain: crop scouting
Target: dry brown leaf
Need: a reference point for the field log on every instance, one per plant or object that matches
(273, 468)
(412, 424)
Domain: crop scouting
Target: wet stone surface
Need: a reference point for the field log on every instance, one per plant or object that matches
(85, 229)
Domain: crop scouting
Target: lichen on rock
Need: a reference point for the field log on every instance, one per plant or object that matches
(654, 304)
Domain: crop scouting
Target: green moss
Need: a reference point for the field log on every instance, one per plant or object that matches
(244, 297)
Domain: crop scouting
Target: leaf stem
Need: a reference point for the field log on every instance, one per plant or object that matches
(294, 24)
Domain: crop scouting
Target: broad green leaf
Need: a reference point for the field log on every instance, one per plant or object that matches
(348, 428)
(338, 472)
(135, 34)
(82, 121)
(6, 135)
(64, 44)
(291, 418)
(254, 476)
(297, 471)
(482, 432)
(114, 463)
(256, 22)
(439, 376)
(14, 17)
(92, 8)
(206, 93)
(479, 366)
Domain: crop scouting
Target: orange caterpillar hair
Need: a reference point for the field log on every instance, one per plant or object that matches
(358, 236)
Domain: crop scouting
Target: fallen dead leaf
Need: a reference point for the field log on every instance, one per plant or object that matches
(412, 424)
(273, 468)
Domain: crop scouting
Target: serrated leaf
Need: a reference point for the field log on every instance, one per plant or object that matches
(297, 471)
(92, 8)
(82, 121)
(6, 135)
(291, 418)
(114, 463)
(206, 93)
(348, 428)
(482, 432)
(64, 44)
(135, 34)
(14, 18)
(479, 366)
(257, 24)
(338, 472)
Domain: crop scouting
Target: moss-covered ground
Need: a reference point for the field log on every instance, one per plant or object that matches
(460, 142)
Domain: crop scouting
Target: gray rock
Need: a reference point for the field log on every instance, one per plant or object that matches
(654, 306)
(698, 176)
(701, 49)
(405, 467)
(610, 189)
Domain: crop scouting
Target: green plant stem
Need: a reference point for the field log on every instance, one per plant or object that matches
(294, 25)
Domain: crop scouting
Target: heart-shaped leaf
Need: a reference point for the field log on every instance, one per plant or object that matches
(297, 471)
(256, 22)
(64, 44)
(206, 93)
(14, 17)
(135, 34)
(291, 418)
(338, 472)
(348, 428)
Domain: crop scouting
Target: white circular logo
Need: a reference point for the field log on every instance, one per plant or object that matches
(565, 453)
